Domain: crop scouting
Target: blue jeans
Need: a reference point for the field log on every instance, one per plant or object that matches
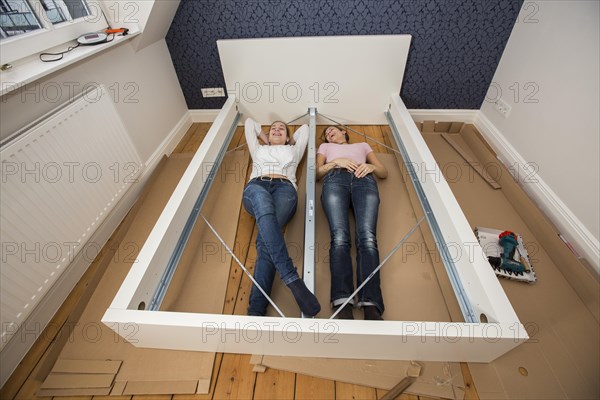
(272, 204)
(342, 192)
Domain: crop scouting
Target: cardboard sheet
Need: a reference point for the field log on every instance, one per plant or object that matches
(60, 381)
(200, 282)
(86, 366)
(169, 371)
(561, 358)
(70, 377)
(73, 392)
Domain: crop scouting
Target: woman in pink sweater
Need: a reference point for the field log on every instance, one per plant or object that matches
(349, 172)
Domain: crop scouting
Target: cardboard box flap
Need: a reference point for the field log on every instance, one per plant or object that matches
(73, 381)
(87, 366)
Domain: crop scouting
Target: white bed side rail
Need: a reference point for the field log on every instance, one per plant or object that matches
(476, 277)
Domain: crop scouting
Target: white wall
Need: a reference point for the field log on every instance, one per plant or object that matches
(142, 84)
(152, 17)
(150, 102)
(554, 49)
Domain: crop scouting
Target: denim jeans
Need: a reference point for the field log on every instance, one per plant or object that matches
(342, 192)
(272, 204)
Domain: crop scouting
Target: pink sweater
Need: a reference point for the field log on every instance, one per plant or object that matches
(354, 151)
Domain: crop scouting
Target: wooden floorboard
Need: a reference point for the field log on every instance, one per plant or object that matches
(309, 388)
(275, 384)
(348, 391)
(236, 379)
(185, 139)
(233, 377)
(72, 398)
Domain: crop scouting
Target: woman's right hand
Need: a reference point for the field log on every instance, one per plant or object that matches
(347, 163)
(264, 138)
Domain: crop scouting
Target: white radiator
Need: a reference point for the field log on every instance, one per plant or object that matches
(60, 179)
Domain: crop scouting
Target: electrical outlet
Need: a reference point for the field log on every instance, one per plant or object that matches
(213, 92)
(502, 107)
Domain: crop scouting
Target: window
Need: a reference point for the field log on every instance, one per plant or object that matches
(17, 17)
(28, 27)
(60, 11)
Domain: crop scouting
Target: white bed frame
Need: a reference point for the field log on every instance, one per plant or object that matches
(367, 72)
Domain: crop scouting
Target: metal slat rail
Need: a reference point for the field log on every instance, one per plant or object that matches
(165, 281)
(309, 213)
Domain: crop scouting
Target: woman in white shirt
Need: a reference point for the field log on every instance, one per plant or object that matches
(270, 197)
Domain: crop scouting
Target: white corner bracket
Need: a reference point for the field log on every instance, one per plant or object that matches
(473, 341)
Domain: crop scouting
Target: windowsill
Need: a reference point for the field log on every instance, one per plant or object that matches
(33, 68)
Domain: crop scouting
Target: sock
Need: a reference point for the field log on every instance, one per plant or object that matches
(372, 313)
(346, 312)
(307, 301)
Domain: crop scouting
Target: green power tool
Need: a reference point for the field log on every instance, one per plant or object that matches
(506, 261)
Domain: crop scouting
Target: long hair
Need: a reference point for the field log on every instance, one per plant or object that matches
(324, 135)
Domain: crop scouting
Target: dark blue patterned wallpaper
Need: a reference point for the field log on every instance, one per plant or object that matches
(455, 49)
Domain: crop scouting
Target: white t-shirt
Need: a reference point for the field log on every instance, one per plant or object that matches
(280, 159)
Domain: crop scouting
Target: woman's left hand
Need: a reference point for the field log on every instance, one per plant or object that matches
(364, 170)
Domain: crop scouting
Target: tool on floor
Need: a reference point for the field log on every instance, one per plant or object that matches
(412, 373)
(508, 242)
(506, 253)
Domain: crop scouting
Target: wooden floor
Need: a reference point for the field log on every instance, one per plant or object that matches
(232, 374)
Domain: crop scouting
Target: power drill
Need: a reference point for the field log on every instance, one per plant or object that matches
(509, 243)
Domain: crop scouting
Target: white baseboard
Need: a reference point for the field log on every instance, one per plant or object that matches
(582, 240)
(468, 116)
(203, 115)
(22, 340)
(171, 141)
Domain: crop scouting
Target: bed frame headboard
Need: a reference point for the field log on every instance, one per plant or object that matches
(350, 78)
